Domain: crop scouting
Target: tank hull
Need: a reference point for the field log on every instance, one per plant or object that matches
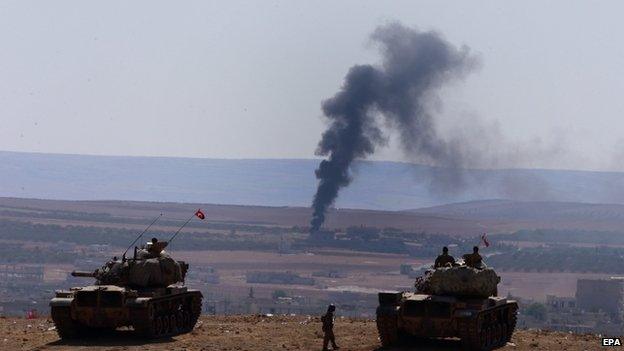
(152, 313)
(480, 323)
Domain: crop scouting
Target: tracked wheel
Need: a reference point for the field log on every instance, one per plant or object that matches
(387, 326)
(167, 317)
(490, 329)
(512, 318)
(66, 327)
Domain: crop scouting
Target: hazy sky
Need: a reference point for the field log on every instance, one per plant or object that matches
(234, 79)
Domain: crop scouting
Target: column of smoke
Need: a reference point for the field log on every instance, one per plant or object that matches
(415, 65)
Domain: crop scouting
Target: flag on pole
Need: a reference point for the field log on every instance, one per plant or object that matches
(200, 214)
(485, 241)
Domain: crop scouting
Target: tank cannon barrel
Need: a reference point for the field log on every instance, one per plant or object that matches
(83, 274)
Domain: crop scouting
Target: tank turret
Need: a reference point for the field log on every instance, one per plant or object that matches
(459, 281)
(150, 266)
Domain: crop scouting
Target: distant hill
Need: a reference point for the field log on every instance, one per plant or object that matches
(526, 210)
(283, 182)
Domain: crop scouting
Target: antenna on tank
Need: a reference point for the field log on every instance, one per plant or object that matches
(179, 229)
(140, 235)
(199, 214)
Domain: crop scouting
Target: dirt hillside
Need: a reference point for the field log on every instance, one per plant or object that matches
(255, 333)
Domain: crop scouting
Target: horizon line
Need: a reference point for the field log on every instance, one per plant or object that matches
(304, 159)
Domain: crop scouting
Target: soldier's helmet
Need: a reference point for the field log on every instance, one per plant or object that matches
(331, 308)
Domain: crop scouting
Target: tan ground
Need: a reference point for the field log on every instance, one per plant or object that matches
(255, 333)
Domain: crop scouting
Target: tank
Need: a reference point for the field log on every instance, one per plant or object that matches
(145, 292)
(456, 302)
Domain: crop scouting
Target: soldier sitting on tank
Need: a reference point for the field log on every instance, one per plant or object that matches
(444, 260)
(474, 260)
(157, 247)
(153, 249)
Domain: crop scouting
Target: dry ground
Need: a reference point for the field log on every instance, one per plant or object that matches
(255, 333)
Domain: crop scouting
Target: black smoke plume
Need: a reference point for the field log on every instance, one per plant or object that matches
(401, 91)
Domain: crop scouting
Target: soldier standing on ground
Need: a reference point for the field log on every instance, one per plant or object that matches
(474, 260)
(328, 328)
(444, 259)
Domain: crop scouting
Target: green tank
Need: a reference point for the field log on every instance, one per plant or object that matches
(144, 292)
(457, 302)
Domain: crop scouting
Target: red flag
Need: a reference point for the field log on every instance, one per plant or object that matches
(200, 214)
(487, 243)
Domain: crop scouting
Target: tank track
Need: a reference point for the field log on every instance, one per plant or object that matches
(491, 328)
(167, 316)
(66, 327)
(387, 326)
(511, 322)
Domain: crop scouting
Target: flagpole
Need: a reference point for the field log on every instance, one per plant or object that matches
(179, 229)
